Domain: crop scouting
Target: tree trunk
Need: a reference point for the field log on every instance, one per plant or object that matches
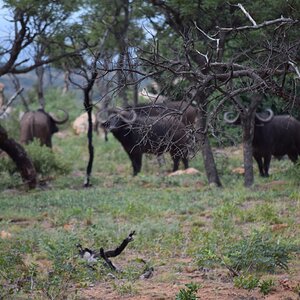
(40, 85)
(1, 94)
(88, 105)
(248, 130)
(66, 82)
(20, 158)
(121, 81)
(135, 95)
(208, 158)
(89, 108)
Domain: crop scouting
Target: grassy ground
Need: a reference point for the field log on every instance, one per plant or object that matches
(187, 231)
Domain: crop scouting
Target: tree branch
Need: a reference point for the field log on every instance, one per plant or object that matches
(261, 25)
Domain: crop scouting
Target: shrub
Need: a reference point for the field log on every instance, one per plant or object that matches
(248, 282)
(266, 286)
(259, 252)
(45, 161)
(190, 293)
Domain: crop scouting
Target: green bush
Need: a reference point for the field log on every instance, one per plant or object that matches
(266, 286)
(45, 161)
(259, 252)
(190, 293)
(248, 282)
(293, 173)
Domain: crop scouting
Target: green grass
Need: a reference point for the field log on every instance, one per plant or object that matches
(173, 217)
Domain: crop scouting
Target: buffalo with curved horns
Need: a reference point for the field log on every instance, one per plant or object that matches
(154, 135)
(41, 125)
(273, 135)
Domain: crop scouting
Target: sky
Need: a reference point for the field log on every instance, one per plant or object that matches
(5, 26)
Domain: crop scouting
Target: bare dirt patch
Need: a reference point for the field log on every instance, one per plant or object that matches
(167, 282)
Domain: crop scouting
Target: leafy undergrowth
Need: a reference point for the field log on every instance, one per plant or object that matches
(200, 240)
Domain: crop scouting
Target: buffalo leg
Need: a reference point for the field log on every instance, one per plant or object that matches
(266, 165)
(259, 161)
(293, 157)
(185, 162)
(136, 161)
(48, 143)
(175, 163)
(176, 160)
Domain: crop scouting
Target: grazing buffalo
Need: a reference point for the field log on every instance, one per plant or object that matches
(41, 125)
(273, 135)
(154, 135)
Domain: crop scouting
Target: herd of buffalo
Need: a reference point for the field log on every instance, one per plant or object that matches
(170, 127)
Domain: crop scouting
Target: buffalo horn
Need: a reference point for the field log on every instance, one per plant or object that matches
(268, 118)
(129, 121)
(64, 120)
(228, 120)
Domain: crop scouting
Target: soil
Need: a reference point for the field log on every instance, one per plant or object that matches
(214, 285)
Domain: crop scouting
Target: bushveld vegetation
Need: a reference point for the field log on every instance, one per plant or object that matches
(194, 235)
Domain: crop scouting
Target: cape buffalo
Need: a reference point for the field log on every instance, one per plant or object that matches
(154, 135)
(41, 125)
(273, 135)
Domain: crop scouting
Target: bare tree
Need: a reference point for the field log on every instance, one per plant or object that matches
(207, 60)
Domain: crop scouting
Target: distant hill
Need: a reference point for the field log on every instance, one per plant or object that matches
(53, 77)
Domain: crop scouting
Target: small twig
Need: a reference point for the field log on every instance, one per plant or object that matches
(118, 250)
(295, 68)
(246, 13)
(281, 20)
(10, 101)
(91, 255)
(206, 35)
(107, 260)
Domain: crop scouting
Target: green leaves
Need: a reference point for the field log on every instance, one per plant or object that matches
(260, 252)
(189, 293)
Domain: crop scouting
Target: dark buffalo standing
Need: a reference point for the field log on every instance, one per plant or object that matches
(273, 135)
(41, 125)
(154, 135)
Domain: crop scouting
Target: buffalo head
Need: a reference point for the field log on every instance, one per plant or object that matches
(117, 118)
(259, 117)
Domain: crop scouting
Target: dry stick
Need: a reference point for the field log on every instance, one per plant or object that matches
(113, 253)
(118, 250)
(10, 101)
(108, 261)
(110, 253)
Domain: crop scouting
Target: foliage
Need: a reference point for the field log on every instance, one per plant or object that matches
(249, 282)
(45, 161)
(293, 173)
(188, 293)
(55, 100)
(260, 252)
(266, 286)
